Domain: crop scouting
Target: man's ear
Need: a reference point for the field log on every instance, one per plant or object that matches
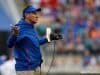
(27, 15)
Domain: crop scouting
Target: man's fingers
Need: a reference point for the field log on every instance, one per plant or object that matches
(14, 28)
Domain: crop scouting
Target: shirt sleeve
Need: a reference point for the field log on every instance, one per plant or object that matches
(43, 41)
(11, 41)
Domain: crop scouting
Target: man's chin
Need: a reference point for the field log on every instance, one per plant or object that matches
(34, 22)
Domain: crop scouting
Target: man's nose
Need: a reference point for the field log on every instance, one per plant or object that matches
(36, 16)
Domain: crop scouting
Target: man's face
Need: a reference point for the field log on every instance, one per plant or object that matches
(32, 17)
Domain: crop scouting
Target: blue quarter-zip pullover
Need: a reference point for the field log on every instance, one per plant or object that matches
(26, 47)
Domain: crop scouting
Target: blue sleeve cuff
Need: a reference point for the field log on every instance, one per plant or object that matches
(43, 41)
(11, 41)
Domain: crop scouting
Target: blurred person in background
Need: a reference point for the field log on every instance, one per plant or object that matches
(8, 68)
(2, 59)
(26, 43)
(79, 46)
(86, 58)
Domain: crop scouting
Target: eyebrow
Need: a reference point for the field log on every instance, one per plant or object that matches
(33, 12)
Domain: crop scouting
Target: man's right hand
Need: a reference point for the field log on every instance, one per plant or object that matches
(15, 29)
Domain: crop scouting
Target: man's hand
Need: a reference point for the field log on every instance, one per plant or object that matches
(15, 29)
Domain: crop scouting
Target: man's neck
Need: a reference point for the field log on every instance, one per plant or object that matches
(29, 21)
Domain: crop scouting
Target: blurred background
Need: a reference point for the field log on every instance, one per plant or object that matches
(77, 20)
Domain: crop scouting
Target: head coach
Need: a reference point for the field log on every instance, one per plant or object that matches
(26, 43)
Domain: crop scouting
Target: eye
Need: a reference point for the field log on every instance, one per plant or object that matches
(34, 13)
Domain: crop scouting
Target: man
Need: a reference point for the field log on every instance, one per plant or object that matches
(26, 43)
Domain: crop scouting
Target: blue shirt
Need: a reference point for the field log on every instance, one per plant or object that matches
(26, 47)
